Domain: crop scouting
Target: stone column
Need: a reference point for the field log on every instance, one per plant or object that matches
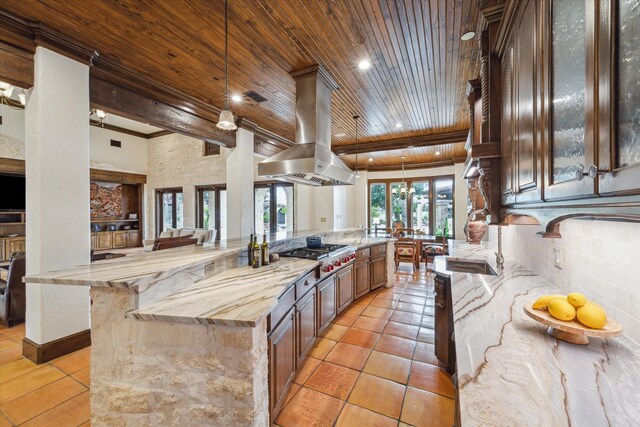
(57, 173)
(240, 186)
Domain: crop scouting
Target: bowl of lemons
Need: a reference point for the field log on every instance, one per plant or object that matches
(572, 318)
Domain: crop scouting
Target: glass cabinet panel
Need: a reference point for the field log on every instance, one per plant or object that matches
(568, 80)
(628, 78)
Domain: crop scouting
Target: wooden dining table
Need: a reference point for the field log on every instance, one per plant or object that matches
(421, 239)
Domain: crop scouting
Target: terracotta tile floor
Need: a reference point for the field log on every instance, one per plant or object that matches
(51, 394)
(375, 365)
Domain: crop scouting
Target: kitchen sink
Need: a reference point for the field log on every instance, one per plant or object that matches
(469, 266)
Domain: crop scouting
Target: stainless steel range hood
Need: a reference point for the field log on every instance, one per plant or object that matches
(310, 161)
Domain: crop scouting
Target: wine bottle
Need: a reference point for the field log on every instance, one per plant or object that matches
(265, 250)
(250, 250)
(256, 253)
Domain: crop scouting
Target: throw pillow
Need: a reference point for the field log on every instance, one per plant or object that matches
(185, 232)
(167, 233)
(200, 235)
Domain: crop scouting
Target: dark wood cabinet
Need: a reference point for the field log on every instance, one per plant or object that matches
(362, 278)
(525, 148)
(378, 267)
(282, 361)
(570, 96)
(344, 288)
(306, 323)
(326, 303)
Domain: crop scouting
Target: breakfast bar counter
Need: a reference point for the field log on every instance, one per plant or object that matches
(511, 372)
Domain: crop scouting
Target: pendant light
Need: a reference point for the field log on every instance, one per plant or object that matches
(226, 121)
(356, 117)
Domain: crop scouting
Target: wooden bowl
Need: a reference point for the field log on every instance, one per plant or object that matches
(572, 331)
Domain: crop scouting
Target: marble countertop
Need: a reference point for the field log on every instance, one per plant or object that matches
(237, 297)
(510, 372)
(172, 285)
(141, 270)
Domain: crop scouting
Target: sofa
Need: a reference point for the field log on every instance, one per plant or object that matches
(169, 238)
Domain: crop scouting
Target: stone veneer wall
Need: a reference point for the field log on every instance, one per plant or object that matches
(600, 259)
(178, 161)
(159, 373)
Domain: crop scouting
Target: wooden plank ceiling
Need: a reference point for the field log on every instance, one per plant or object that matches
(419, 64)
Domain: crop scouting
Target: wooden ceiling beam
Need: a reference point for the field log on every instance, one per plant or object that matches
(383, 168)
(16, 66)
(402, 143)
(138, 106)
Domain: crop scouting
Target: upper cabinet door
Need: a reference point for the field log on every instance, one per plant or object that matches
(507, 142)
(526, 142)
(570, 107)
(619, 145)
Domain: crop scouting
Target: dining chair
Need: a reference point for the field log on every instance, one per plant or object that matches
(406, 247)
(433, 249)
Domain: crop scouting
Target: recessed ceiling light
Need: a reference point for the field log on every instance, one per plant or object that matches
(340, 135)
(468, 36)
(236, 98)
(437, 153)
(402, 157)
(398, 125)
(371, 159)
(364, 64)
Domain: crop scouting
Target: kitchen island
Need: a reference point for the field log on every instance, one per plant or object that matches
(511, 372)
(181, 336)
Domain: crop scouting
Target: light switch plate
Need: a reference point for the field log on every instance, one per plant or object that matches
(557, 258)
(323, 219)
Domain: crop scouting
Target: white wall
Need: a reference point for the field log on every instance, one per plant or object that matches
(599, 259)
(131, 157)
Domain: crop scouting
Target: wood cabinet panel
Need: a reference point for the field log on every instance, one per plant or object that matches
(14, 244)
(306, 323)
(362, 278)
(3, 256)
(120, 239)
(526, 142)
(507, 137)
(133, 238)
(326, 303)
(285, 302)
(344, 285)
(104, 240)
(282, 362)
(378, 272)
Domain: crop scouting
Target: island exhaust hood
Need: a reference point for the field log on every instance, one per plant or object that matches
(310, 160)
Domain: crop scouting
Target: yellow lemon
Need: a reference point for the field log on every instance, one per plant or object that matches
(543, 302)
(561, 309)
(592, 315)
(576, 299)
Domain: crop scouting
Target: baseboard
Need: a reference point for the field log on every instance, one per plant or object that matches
(42, 353)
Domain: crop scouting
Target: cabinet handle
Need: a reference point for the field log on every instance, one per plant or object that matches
(592, 172)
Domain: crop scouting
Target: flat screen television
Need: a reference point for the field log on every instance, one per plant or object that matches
(12, 188)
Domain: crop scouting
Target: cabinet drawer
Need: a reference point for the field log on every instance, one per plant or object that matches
(379, 249)
(363, 253)
(285, 302)
(305, 284)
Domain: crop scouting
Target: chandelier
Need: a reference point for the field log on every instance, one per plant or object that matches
(6, 92)
(226, 121)
(402, 194)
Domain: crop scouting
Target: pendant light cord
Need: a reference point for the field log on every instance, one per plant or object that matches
(356, 119)
(226, 56)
